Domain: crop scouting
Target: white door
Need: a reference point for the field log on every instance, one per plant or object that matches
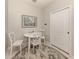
(60, 29)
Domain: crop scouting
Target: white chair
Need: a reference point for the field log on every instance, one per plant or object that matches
(36, 42)
(14, 43)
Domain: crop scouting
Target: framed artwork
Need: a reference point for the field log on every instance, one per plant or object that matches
(29, 21)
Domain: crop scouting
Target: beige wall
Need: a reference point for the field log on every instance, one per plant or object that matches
(17, 8)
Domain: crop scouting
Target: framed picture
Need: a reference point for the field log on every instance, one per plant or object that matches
(29, 21)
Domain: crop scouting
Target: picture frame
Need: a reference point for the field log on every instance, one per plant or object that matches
(29, 21)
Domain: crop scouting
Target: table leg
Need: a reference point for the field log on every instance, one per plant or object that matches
(28, 48)
(20, 50)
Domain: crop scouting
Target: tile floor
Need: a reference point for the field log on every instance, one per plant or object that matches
(24, 55)
(48, 54)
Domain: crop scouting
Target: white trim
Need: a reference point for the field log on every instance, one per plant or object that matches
(54, 11)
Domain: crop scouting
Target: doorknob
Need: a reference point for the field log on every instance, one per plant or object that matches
(68, 32)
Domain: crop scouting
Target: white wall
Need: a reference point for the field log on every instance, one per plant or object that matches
(17, 8)
(56, 5)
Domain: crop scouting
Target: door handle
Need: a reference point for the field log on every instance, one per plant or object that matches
(68, 32)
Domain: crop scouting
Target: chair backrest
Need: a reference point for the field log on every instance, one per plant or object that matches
(37, 40)
(11, 37)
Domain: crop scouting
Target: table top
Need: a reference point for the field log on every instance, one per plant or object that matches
(33, 35)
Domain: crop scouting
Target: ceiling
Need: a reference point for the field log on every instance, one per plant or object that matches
(40, 3)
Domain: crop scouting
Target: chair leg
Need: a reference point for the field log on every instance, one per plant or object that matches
(33, 48)
(20, 50)
(11, 53)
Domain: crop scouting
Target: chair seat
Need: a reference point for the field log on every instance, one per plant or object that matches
(17, 42)
(35, 44)
(43, 37)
